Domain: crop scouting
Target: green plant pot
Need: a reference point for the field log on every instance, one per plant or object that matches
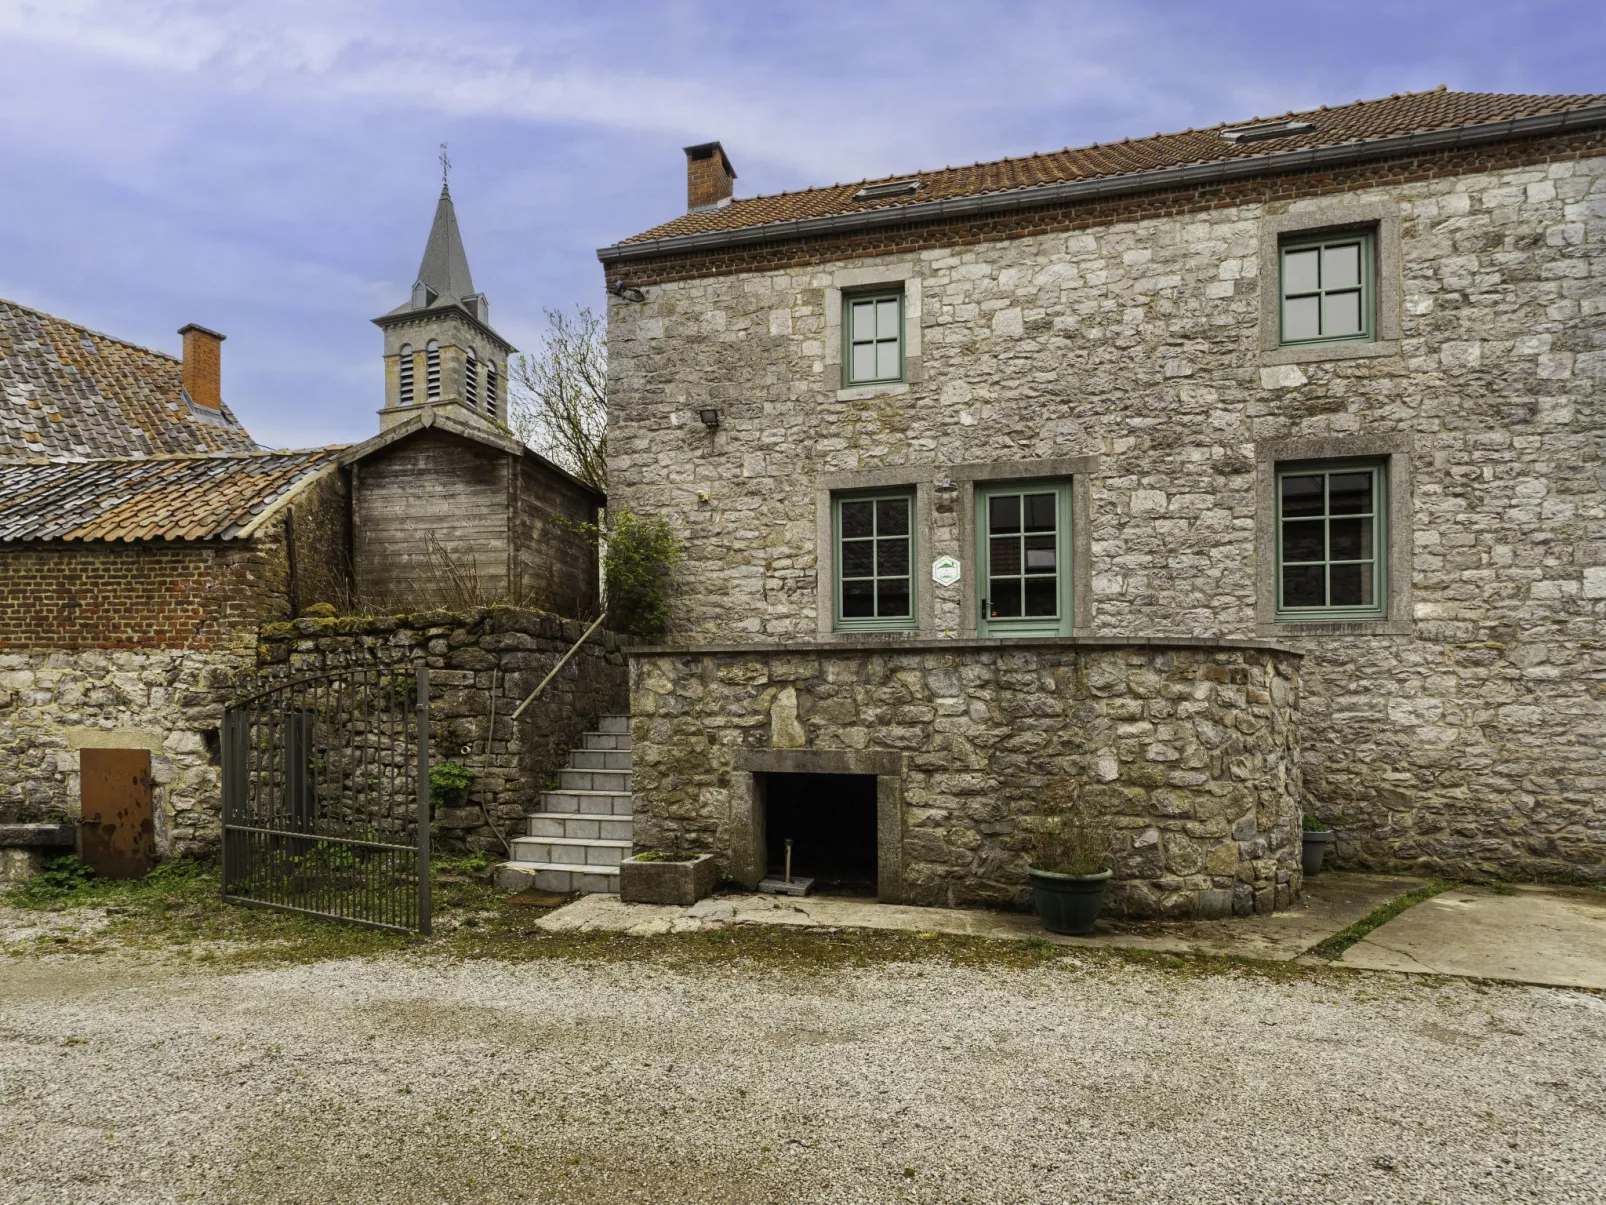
(1068, 903)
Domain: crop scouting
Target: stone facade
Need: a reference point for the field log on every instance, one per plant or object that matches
(1192, 752)
(482, 665)
(1466, 732)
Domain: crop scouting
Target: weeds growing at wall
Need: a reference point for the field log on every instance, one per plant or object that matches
(641, 555)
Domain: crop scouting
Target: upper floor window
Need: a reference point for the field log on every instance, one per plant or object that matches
(875, 560)
(490, 389)
(872, 329)
(432, 370)
(1326, 284)
(1332, 538)
(404, 375)
(471, 379)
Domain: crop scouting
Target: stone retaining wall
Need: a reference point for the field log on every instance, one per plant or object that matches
(1190, 750)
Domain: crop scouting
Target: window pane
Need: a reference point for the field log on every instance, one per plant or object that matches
(1004, 556)
(1302, 585)
(1005, 600)
(1350, 539)
(1301, 318)
(857, 558)
(892, 558)
(892, 597)
(892, 517)
(886, 360)
(1040, 554)
(856, 519)
(887, 319)
(1341, 314)
(863, 321)
(1039, 512)
(1349, 494)
(1302, 496)
(1341, 266)
(858, 600)
(1003, 513)
(1041, 595)
(1300, 272)
(1352, 585)
(863, 362)
(1302, 541)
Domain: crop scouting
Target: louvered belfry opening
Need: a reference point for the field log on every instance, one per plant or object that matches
(490, 389)
(471, 379)
(432, 369)
(404, 375)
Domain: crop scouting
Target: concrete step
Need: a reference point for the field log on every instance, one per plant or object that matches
(579, 827)
(605, 740)
(587, 803)
(594, 780)
(556, 877)
(565, 851)
(613, 723)
(599, 759)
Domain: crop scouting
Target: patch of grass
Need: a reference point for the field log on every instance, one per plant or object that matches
(69, 883)
(1334, 947)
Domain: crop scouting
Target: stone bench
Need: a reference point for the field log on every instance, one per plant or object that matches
(24, 847)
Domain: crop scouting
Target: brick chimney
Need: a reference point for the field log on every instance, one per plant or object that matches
(203, 366)
(710, 178)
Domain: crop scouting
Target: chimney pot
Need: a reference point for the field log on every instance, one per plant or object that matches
(203, 366)
(710, 178)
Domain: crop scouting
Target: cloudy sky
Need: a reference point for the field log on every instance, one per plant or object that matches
(269, 169)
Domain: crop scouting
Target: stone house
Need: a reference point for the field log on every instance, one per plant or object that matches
(146, 541)
(1201, 480)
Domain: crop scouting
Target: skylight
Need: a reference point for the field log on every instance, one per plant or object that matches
(891, 188)
(1266, 129)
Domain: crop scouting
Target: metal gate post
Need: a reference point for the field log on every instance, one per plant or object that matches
(424, 902)
(234, 738)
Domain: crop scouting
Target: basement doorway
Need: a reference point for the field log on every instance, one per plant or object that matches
(831, 821)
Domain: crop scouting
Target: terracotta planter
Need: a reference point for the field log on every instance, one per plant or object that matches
(1314, 850)
(1068, 903)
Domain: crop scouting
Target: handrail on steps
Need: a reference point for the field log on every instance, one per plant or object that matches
(584, 636)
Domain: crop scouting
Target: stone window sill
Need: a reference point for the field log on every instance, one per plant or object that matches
(1362, 627)
(863, 393)
(1320, 353)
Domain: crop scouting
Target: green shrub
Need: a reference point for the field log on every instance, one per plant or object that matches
(1313, 825)
(448, 783)
(64, 876)
(641, 555)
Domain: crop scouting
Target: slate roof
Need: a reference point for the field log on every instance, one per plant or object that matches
(66, 390)
(155, 498)
(1403, 113)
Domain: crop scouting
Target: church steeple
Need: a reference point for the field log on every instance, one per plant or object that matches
(440, 349)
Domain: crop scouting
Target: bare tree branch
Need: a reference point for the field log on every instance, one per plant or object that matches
(558, 397)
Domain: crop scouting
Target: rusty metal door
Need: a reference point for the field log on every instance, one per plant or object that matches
(118, 825)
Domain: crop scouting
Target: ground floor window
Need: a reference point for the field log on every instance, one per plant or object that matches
(1023, 533)
(875, 553)
(1332, 539)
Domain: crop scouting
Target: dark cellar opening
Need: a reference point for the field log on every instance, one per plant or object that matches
(831, 819)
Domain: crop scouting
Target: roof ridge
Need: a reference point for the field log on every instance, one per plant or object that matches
(89, 330)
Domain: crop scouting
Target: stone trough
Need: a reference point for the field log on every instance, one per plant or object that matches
(24, 848)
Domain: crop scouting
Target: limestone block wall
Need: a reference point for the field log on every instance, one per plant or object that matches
(1465, 735)
(1190, 751)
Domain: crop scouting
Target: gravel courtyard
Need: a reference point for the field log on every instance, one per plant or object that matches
(420, 1078)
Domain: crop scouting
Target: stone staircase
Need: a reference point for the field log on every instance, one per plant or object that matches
(582, 832)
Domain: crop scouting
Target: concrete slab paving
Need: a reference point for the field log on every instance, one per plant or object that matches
(1554, 936)
(1331, 902)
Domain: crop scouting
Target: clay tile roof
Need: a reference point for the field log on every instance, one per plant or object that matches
(66, 390)
(1405, 113)
(152, 498)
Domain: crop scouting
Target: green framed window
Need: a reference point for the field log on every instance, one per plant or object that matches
(1327, 286)
(1023, 545)
(872, 336)
(875, 559)
(1332, 542)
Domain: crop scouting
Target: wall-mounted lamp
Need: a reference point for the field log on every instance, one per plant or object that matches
(710, 417)
(947, 491)
(627, 292)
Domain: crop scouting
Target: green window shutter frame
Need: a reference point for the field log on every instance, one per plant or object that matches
(872, 338)
(1327, 289)
(887, 550)
(1332, 557)
(1021, 624)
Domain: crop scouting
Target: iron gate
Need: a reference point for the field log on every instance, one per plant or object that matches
(326, 796)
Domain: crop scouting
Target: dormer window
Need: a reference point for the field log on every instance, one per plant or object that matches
(423, 296)
(404, 375)
(471, 380)
(432, 370)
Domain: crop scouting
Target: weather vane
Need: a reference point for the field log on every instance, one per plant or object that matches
(446, 170)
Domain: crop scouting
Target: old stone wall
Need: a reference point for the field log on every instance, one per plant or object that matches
(482, 663)
(1468, 732)
(1190, 753)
